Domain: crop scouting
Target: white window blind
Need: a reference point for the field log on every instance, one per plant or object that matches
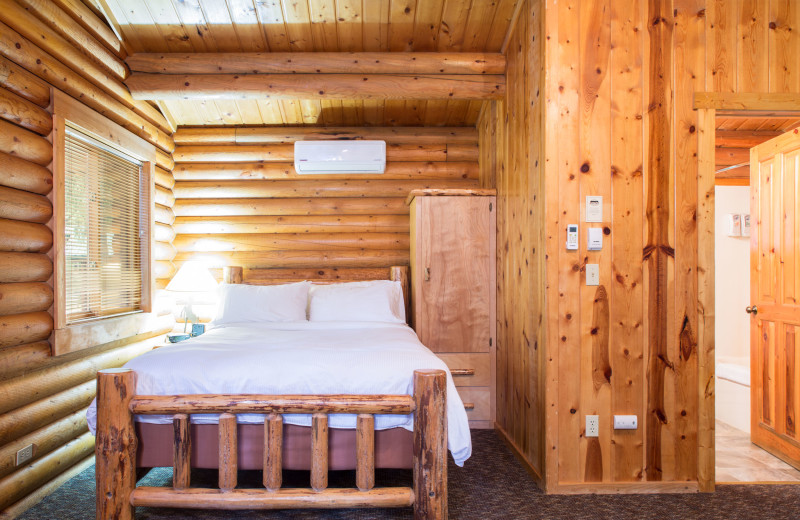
(103, 223)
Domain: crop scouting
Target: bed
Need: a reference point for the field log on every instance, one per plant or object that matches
(313, 395)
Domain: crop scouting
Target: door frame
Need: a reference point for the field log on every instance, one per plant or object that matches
(708, 106)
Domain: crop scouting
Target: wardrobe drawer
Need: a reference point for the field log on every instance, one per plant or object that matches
(469, 369)
(479, 398)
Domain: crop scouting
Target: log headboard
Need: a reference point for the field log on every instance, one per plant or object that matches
(275, 276)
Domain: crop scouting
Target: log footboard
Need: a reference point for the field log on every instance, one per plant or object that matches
(116, 446)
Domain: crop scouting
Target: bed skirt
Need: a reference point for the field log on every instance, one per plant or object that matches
(393, 447)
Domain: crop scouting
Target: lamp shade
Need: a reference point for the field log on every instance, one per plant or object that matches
(192, 277)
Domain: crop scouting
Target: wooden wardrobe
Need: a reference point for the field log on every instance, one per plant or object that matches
(453, 289)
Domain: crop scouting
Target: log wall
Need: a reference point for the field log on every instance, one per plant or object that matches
(43, 398)
(511, 148)
(239, 201)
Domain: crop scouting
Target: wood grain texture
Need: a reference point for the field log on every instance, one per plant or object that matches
(20, 111)
(430, 445)
(273, 451)
(182, 452)
(228, 452)
(315, 86)
(24, 84)
(116, 444)
(319, 451)
(24, 144)
(365, 452)
(22, 205)
(21, 174)
(318, 62)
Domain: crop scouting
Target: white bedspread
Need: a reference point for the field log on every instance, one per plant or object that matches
(298, 358)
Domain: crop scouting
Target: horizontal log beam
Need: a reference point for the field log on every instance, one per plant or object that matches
(300, 259)
(288, 135)
(731, 156)
(23, 205)
(213, 171)
(62, 23)
(24, 175)
(163, 214)
(18, 110)
(163, 232)
(24, 267)
(27, 145)
(291, 242)
(45, 439)
(164, 251)
(743, 138)
(285, 498)
(17, 485)
(17, 298)
(49, 41)
(24, 237)
(23, 83)
(22, 51)
(41, 384)
(277, 276)
(163, 178)
(317, 86)
(319, 62)
(309, 206)
(164, 197)
(164, 160)
(285, 153)
(13, 360)
(17, 236)
(311, 188)
(742, 103)
(19, 329)
(258, 403)
(96, 26)
(293, 224)
(164, 269)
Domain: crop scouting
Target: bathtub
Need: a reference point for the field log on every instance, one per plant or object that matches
(733, 392)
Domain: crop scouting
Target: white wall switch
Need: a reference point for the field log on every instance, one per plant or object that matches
(592, 274)
(594, 208)
(595, 239)
(592, 426)
(733, 225)
(745, 225)
(626, 422)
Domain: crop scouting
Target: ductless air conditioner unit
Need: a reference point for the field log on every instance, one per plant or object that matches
(339, 156)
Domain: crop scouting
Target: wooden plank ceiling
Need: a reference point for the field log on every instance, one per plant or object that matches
(734, 138)
(315, 26)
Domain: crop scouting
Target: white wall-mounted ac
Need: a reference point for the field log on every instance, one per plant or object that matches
(339, 156)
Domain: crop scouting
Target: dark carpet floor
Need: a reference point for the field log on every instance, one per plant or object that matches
(492, 484)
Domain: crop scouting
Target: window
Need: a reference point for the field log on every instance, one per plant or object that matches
(102, 229)
(104, 222)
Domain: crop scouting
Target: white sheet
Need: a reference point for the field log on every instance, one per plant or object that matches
(298, 358)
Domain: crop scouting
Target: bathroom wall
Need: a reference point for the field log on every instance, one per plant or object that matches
(732, 259)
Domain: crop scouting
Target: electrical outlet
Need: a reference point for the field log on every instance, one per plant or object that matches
(592, 426)
(24, 455)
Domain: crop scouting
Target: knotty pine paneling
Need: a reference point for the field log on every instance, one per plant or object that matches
(249, 207)
(43, 397)
(511, 153)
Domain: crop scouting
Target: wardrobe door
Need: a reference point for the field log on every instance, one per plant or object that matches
(453, 262)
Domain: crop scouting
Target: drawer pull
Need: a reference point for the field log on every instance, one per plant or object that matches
(462, 371)
(469, 406)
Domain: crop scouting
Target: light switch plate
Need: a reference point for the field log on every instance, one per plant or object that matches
(592, 274)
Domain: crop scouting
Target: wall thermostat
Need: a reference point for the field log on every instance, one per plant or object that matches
(594, 208)
(595, 239)
(572, 236)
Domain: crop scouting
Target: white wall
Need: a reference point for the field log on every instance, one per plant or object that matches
(732, 270)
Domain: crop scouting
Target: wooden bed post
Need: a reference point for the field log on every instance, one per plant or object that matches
(115, 447)
(232, 274)
(399, 273)
(430, 445)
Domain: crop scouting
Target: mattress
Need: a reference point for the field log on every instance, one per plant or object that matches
(305, 357)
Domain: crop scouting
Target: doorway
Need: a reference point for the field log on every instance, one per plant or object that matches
(737, 459)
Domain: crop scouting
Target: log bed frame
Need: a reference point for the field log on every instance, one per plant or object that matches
(116, 445)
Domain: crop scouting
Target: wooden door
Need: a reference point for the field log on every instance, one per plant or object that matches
(775, 294)
(453, 269)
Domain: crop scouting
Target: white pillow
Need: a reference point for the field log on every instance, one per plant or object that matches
(261, 303)
(378, 300)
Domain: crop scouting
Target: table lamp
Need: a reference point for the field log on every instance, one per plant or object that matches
(192, 278)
